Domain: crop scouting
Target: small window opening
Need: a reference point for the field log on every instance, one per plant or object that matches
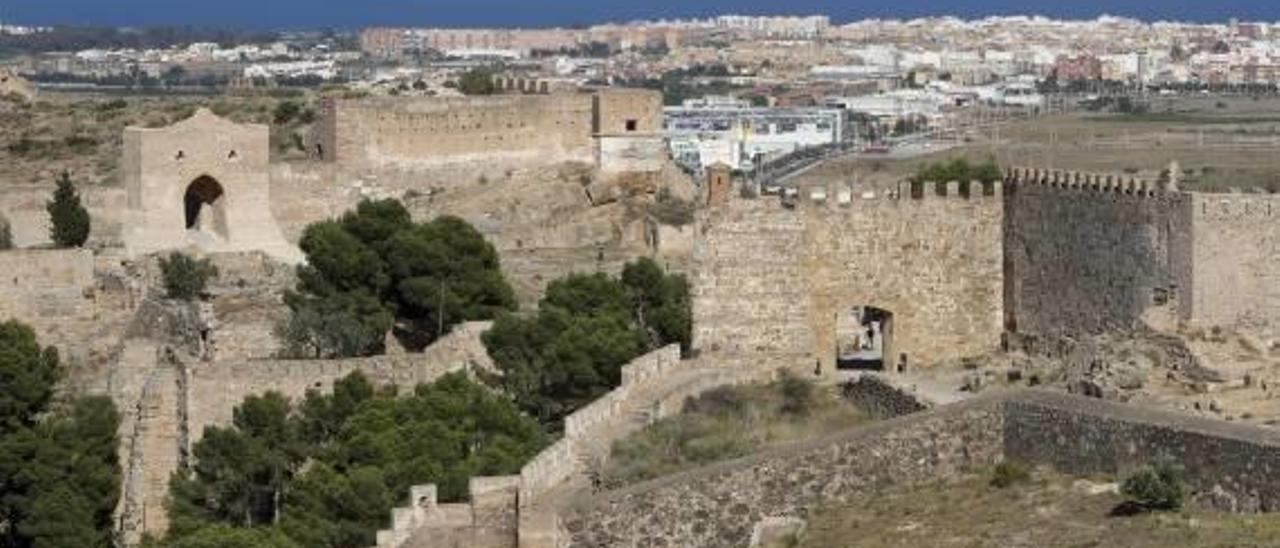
(632, 125)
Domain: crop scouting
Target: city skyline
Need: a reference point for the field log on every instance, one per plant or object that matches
(294, 14)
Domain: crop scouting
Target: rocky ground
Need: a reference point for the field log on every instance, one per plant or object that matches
(1214, 373)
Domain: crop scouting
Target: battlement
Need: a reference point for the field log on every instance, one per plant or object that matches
(1093, 182)
(909, 193)
(1226, 207)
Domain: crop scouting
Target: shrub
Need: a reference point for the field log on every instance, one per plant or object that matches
(285, 112)
(798, 395)
(185, 278)
(670, 210)
(1157, 487)
(477, 81)
(6, 234)
(70, 220)
(1009, 473)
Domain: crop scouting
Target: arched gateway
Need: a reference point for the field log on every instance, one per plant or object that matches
(201, 183)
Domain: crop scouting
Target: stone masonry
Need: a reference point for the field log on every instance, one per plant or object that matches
(1229, 466)
(203, 182)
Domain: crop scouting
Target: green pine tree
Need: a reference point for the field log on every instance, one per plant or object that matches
(70, 219)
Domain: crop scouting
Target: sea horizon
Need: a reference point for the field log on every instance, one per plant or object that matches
(298, 15)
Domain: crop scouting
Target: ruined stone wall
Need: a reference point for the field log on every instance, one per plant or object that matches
(70, 305)
(718, 506)
(24, 207)
(881, 398)
(772, 279)
(433, 131)
(215, 388)
(1235, 262)
(1089, 253)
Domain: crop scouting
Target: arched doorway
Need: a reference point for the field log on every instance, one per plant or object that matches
(204, 207)
(864, 338)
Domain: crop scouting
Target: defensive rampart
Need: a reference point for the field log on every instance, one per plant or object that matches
(719, 505)
(1091, 253)
(1088, 253)
(769, 278)
(1235, 261)
(428, 132)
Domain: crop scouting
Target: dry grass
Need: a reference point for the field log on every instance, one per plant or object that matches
(81, 133)
(729, 423)
(1074, 142)
(1050, 511)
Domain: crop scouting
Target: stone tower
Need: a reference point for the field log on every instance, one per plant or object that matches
(719, 184)
(202, 183)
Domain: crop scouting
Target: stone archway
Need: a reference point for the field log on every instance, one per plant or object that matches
(864, 338)
(204, 205)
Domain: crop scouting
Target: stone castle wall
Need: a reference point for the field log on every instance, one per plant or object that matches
(1235, 261)
(506, 129)
(24, 207)
(720, 505)
(433, 131)
(1088, 253)
(1226, 466)
(516, 510)
(772, 279)
(215, 388)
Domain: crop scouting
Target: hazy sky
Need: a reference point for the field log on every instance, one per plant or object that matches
(357, 13)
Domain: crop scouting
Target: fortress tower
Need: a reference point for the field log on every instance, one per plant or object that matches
(201, 183)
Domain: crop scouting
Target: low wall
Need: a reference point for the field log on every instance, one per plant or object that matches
(214, 389)
(1228, 466)
(720, 505)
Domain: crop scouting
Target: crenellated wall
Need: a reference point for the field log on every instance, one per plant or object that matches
(653, 386)
(1091, 253)
(771, 278)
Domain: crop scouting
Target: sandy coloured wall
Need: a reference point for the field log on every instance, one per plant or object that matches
(1235, 261)
(769, 279)
(435, 131)
(215, 388)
